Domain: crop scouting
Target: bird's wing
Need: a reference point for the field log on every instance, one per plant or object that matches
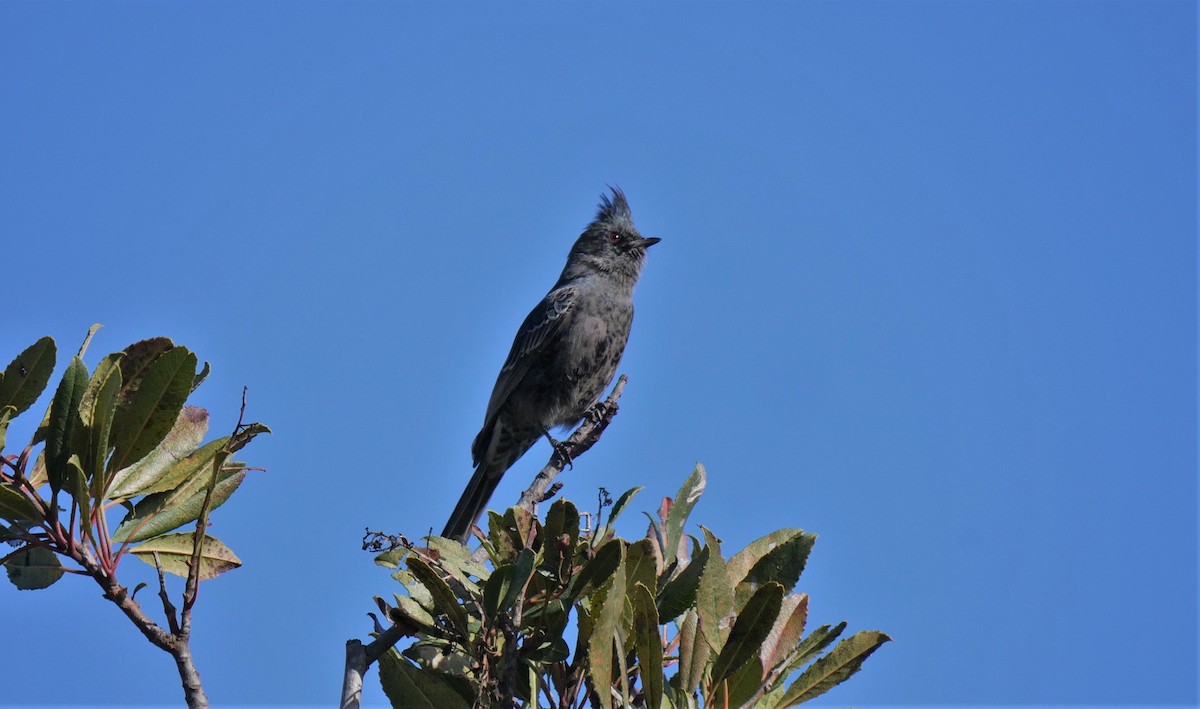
(542, 325)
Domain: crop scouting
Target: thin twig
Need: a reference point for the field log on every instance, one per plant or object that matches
(168, 607)
(579, 442)
(193, 578)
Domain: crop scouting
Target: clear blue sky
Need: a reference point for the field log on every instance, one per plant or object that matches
(927, 287)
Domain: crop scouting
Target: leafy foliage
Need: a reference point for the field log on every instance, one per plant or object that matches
(122, 438)
(658, 622)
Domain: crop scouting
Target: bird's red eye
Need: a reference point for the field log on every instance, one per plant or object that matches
(614, 237)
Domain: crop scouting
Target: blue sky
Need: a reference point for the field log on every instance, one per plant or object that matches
(927, 287)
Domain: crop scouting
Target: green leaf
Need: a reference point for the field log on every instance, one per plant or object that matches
(77, 486)
(779, 556)
(647, 644)
(201, 376)
(679, 594)
(161, 512)
(455, 559)
(608, 557)
(812, 646)
(26, 376)
(835, 668)
(64, 420)
(685, 500)
(714, 597)
(560, 535)
(96, 412)
(175, 555)
(622, 502)
(504, 549)
(741, 686)
(496, 589)
(793, 614)
(31, 568)
(137, 359)
(87, 339)
(411, 687)
(749, 631)
(6, 414)
(150, 403)
(693, 653)
(606, 605)
(641, 566)
(445, 602)
(411, 613)
(522, 570)
(392, 557)
(15, 506)
(173, 461)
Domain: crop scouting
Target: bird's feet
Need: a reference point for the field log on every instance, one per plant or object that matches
(560, 450)
(598, 411)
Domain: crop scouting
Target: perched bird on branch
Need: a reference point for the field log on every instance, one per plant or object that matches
(564, 354)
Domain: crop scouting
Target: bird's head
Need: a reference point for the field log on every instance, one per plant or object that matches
(611, 243)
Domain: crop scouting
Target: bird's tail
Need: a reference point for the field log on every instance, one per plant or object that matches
(474, 499)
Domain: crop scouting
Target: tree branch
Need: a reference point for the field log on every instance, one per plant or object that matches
(582, 439)
(359, 658)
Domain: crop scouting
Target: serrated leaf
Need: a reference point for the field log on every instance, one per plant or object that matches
(416, 591)
(64, 420)
(411, 687)
(693, 653)
(679, 594)
(407, 610)
(504, 549)
(445, 602)
(779, 556)
(741, 686)
(456, 560)
(714, 596)
(681, 508)
(136, 362)
(175, 555)
(96, 412)
(161, 512)
(641, 566)
(150, 404)
(812, 645)
(835, 668)
(25, 378)
(647, 644)
(793, 614)
(172, 461)
(749, 631)
(392, 557)
(608, 557)
(496, 589)
(15, 506)
(522, 570)
(561, 521)
(622, 502)
(606, 605)
(32, 568)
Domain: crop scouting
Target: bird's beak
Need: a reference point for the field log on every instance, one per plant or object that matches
(645, 241)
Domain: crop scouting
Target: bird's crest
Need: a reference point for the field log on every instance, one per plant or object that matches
(615, 210)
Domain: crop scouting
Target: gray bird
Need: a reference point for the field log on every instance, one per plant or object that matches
(564, 355)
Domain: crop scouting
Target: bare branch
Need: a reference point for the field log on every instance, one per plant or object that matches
(168, 607)
(582, 439)
(193, 577)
